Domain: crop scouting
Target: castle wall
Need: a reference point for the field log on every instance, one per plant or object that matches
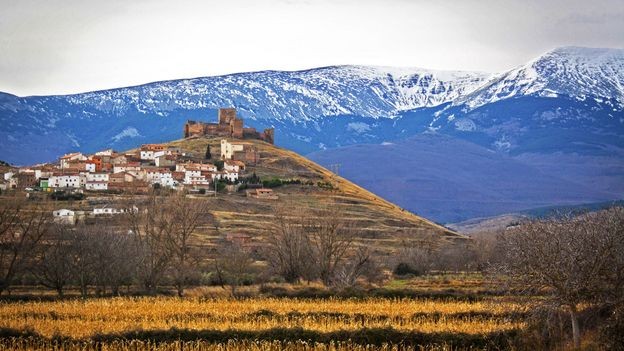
(237, 128)
(229, 126)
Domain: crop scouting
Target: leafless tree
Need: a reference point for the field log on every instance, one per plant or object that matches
(22, 226)
(52, 264)
(81, 258)
(152, 224)
(309, 245)
(163, 226)
(572, 259)
(419, 254)
(232, 265)
(288, 248)
(112, 257)
(187, 215)
(360, 264)
(331, 239)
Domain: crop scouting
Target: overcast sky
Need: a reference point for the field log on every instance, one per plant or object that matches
(55, 47)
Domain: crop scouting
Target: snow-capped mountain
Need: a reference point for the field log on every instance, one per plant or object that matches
(571, 71)
(325, 107)
(294, 96)
(561, 115)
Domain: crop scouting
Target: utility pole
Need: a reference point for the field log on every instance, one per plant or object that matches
(334, 168)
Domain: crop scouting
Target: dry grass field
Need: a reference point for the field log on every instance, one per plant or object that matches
(163, 323)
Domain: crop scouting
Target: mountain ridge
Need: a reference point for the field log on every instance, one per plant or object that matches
(549, 111)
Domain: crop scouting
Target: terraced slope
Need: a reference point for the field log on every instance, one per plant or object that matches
(379, 223)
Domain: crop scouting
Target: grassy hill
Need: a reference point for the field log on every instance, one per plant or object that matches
(378, 222)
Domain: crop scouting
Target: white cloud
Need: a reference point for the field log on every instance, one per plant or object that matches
(72, 46)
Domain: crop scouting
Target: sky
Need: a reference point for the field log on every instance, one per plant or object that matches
(58, 47)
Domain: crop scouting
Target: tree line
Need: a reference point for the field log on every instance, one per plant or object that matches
(573, 261)
(153, 246)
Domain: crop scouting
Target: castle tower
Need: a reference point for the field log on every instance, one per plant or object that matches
(269, 135)
(227, 115)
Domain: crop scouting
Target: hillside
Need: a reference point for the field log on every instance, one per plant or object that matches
(378, 222)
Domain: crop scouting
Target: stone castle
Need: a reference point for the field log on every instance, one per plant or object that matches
(228, 126)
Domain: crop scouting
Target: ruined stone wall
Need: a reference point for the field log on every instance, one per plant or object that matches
(192, 128)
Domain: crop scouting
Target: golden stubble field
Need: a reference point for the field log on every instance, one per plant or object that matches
(148, 323)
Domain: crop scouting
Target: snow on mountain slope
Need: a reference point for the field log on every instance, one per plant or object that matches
(373, 104)
(294, 96)
(573, 71)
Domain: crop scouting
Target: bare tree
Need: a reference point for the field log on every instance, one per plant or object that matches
(309, 245)
(52, 264)
(331, 238)
(572, 259)
(152, 224)
(112, 257)
(81, 258)
(186, 216)
(288, 248)
(417, 255)
(360, 264)
(232, 265)
(164, 227)
(22, 226)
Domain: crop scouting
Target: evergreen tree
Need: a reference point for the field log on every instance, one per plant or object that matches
(208, 154)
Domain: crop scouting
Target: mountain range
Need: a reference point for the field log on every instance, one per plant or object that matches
(548, 132)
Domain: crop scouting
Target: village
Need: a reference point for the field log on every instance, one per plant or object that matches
(152, 166)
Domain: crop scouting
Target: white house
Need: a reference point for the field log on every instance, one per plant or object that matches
(64, 216)
(66, 159)
(160, 176)
(147, 155)
(112, 211)
(181, 167)
(231, 176)
(64, 181)
(90, 166)
(133, 167)
(97, 177)
(105, 211)
(107, 152)
(196, 180)
(191, 174)
(233, 166)
(228, 150)
(96, 185)
(169, 182)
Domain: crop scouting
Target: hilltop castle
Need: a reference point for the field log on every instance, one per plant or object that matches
(228, 126)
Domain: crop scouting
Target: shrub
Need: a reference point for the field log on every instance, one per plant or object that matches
(219, 165)
(612, 334)
(326, 185)
(65, 196)
(272, 183)
(405, 269)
